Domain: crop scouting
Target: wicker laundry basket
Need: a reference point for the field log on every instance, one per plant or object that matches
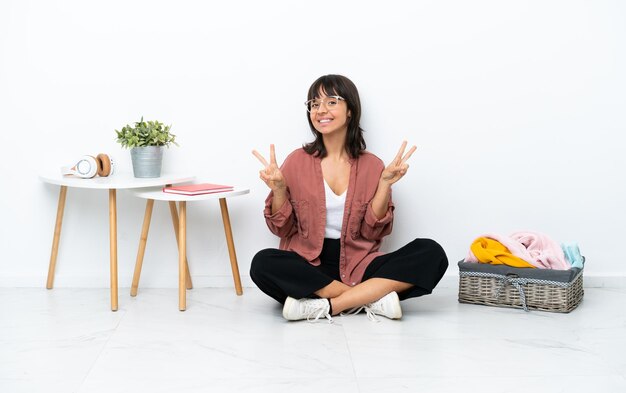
(526, 288)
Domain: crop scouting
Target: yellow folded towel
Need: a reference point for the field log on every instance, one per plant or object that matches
(492, 251)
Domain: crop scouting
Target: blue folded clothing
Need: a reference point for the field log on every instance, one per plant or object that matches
(572, 254)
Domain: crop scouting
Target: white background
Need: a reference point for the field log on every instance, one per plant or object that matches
(517, 109)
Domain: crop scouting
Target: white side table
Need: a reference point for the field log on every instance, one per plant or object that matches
(111, 183)
(184, 281)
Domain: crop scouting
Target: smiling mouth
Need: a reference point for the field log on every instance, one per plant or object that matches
(324, 121)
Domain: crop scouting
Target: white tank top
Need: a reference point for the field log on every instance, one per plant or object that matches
(334, 212)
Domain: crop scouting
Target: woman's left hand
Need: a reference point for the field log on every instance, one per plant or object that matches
(398, 167)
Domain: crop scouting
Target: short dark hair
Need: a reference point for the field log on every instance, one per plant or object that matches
(338, 85)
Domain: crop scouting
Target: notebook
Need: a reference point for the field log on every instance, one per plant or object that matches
(197, 189)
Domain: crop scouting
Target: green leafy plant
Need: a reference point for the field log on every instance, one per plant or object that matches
(146, 133)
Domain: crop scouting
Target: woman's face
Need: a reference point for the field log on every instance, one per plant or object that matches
(329, 114)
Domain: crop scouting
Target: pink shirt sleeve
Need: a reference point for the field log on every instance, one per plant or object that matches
(374, 228)
(282, 222)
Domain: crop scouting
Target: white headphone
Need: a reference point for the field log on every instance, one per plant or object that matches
(90, 166)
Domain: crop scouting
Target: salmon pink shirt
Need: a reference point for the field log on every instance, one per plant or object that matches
(301, 221)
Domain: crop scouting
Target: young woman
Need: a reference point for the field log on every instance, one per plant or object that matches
(330, 205)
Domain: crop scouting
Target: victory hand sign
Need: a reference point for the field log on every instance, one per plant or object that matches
(391, 174)
(398, 167)
(271, 175)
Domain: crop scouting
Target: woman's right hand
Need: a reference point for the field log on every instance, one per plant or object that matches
(271, 175)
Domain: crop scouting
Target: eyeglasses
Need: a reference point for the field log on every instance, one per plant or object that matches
(331, 103)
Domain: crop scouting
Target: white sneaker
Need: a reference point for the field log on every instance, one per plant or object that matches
(309, 309)
(387, 306)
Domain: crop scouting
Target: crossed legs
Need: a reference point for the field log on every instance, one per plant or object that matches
(344, 297)
(412, 271)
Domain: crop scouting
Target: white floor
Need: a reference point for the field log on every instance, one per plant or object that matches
(67, 340)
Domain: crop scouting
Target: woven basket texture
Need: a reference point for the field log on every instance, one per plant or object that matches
(542, 297)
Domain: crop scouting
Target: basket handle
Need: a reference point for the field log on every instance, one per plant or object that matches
(517, 282)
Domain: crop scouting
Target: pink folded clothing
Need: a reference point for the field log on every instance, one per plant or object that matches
(535, 248)
(545, 252)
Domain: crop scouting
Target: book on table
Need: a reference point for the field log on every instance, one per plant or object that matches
(197, 189)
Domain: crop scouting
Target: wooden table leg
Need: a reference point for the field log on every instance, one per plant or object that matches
(57, 236)
(174, 214)
(182, 243)
(143, 239)
(113, 246)
(231, 246)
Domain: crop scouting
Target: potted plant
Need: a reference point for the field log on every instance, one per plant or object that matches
(146, 140)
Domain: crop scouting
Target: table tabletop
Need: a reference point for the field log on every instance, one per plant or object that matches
(122, 180)
(157, 193)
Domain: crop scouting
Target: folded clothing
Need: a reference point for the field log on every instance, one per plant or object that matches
(493, 252)
(534, 248)
(545, 252)
(514, 247)
(573, 255)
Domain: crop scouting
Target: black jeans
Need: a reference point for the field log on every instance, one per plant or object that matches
(280, 273)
